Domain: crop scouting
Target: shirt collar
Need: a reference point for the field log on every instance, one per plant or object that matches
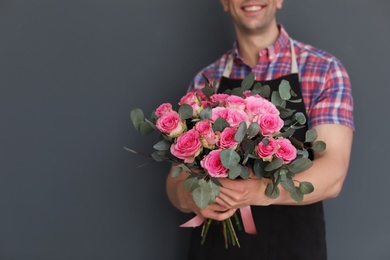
(271, 51)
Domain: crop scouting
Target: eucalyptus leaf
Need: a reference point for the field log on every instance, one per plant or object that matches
(206, 113)
(319, 146)
(208, 91)
(237, 92)
(145, 128)
(248, 81)
(244, 172)
(137, 117)
(163, 145)
(235, 172)
(297, 195)
(274, 164)
(229, 158)
(201, 197)
(276, 99)
(300, 165)
(253, 129)
(258, 169)
(158, 157)
(272, 191)
(185, 111)
(220, 124)
(300, 117)
(263, 91)
(176, 172)
(299, 100)
(241, 132)
(288, 185)
(214, 190)
(285, 112)
(284, 90)
(306, 187)
(310, 135)
(204, 184)
(191, 183)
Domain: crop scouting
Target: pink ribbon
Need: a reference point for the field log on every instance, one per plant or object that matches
(246, 216)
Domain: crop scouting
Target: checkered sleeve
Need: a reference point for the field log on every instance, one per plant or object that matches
(334, 102)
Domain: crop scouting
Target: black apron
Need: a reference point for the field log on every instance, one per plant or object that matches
(283, 232)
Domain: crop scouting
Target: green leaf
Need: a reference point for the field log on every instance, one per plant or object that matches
(319, 146)
(205, 113)
(241, 132)
(191, 183)
(299, 100)
(176, 171)
(163, 145)
(185, 111)
(276, 99)
(284, 90)
(253, 129)
(274, 164)
(220, 124)
(214, 190)
(244, 172)
(285, 112)
(235, 172)
(297, 195)
(248, 81)
(201, 197)
(272, 191)
(158, 157)
(288, 185)
(145, 128)
(137, 117)
(258, 168)
(263, 91)
(207, 91)
(237, 92)
(306, 187)
(229, 158)
(310, 135)
(300, 165)
(300, 117)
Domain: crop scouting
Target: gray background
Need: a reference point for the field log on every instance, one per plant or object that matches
(71, 71)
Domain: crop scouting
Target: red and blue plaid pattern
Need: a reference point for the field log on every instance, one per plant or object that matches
(325, 84)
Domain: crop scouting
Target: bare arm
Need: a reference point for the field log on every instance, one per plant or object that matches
(327, 174)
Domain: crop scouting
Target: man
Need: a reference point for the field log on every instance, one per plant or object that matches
(286, 229)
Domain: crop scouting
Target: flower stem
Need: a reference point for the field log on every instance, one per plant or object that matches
(205, 229)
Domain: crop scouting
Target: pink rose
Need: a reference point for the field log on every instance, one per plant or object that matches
(256, 106)
(235, 102)
(171, 124)
(163, 109)
(213, 165)
(192, 99)
(266, 152)
(226, 139)
(286, 151)
(206, 132)
(187, 146)
(220, 98)
(270, 124)
(233, 116)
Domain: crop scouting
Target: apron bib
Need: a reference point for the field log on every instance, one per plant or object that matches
(283, 232)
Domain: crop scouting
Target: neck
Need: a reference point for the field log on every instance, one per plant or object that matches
(250, 44)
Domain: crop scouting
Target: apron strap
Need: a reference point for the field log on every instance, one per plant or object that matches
(294, 65)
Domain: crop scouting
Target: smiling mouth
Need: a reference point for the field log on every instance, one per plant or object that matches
(252, 8)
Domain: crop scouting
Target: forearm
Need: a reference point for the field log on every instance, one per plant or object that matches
(178, 196)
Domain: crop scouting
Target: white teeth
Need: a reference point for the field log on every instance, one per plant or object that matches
(252, 8)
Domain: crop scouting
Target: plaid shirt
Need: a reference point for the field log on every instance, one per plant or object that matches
(325, 84)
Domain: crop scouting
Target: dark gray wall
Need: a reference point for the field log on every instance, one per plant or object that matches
(71, 71)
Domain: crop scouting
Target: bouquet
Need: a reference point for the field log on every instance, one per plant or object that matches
(211, 136)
